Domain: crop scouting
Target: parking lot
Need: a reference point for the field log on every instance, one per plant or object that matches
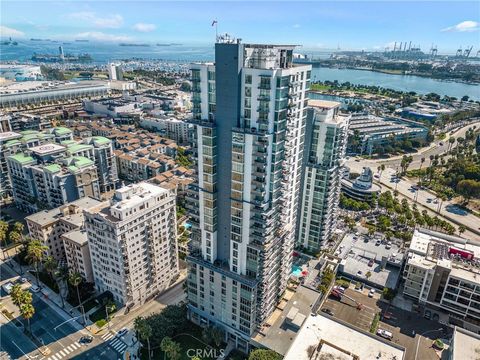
(346, 309)
(405, 326)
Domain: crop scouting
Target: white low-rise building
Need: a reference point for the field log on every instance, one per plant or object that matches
(443, 272)
(323, 337)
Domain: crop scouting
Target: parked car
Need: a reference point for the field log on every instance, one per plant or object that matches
(371, 293)
(427, 315)
(34, 288)
(23, 280)
(378, 242)
(328, 311)
(385, 334)
(389, 245)
(371, 262)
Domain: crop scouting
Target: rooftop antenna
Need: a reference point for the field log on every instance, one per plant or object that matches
(215, 23)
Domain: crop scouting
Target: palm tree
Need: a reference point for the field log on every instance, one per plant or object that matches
(144, 331)
(75, 279)
(3, 231)
(27, 311)
(422, 160)
(171, 348)
(61, 275)
(16, 295)
(18, 227)
(35, 254)
(461, 229)
(50, 265)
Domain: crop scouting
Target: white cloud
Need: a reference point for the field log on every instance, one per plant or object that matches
(113, 21)
(100, 36)
(464, 26)
(6, 32)
(142, 27)
(296, 26)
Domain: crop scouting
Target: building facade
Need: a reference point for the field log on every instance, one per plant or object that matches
(77, 253)
(325, 146)
(249, 109)
(37, 185)
(49, 226)
(443, 272)
(133, 243)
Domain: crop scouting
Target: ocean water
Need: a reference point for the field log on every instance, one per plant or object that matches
(103, 53)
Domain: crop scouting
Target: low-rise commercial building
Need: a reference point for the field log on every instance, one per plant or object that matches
(464, 345)
(325, 337)
(362, 188)
(443, 272)
(374, 132)
(133, 243)
(35, 92)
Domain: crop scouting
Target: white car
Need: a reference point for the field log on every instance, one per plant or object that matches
(34, 288)
(385, 334)
(371, 293)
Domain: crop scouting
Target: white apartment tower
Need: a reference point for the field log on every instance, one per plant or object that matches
(133, 243)
(249, 109)
(325, 145)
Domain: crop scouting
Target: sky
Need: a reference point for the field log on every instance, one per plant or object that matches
(315, 24)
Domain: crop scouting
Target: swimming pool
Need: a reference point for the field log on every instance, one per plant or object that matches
(296, 271)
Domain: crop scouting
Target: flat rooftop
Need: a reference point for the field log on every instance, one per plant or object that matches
(323, 337)
(278, 335)
(466, 344)
(324, 104)
(5, 136)
(47, 149)
(77, 236)
(356, 254)
(46, 217)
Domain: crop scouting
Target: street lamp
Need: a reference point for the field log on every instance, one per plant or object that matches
(420, 336)
(107, 307)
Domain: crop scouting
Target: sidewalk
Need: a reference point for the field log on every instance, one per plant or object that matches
(49, 296)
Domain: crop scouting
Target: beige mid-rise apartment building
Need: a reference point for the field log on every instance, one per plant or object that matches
(48, 226)
(133, 243)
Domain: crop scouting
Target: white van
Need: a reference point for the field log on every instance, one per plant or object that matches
(385, 334)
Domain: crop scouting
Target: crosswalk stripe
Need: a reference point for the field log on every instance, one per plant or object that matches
(61, 353)
(118, 346)
(75, 346)
(67, 351)
(107, 336)
(53, 357)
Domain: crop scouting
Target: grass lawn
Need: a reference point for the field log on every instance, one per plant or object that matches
(187, 341)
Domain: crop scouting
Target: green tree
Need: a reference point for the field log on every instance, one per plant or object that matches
(171, 348)
(75, 279)
(461, 229)
(27, 311)
(35, 254)
(469, 189)
(262, 354)
(144, 332)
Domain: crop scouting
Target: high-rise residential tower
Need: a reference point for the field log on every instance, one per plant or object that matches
(250, 111)
(325, 145)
